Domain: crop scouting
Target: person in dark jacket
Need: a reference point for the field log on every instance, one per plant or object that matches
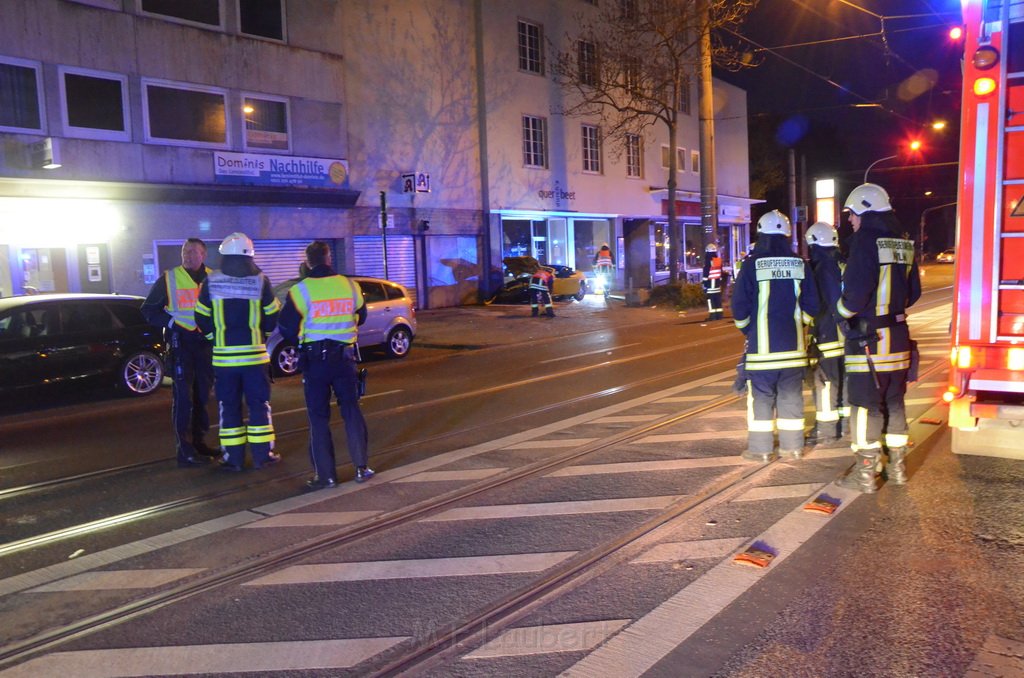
(773, 300)
(827, 341)
(321, 316)
(235, 310)
(171, 305)
(542, 282)
(880, 282)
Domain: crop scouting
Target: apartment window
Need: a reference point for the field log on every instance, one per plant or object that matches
(202, 12)
(531, 55)
(587, 62)
(634, 156)
(631, 75)
(591, 149)
(684, 96)
(629, 9)
(263, 18)
(535, 141)
(680, 158)
(695, 162)
(176, 113)
(95, 104)
(266, 123)
(21, 102)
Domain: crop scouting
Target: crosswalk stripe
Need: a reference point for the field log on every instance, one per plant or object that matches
(626, 418)
(723, 414)
(554, 508)
(445, 476)
(413, 569)
(681, 550)
(314, 519)
(546, 444)
(531, 640)
(109, 580)
(301, 655)
(921, 401)
(685, 399)
(779, 492)
(648, 466)
(699, 435)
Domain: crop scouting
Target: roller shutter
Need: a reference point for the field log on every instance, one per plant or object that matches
(369, 259)
(279, 259)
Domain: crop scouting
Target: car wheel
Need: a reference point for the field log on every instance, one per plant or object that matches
(581, 293)
(399, 342)
(285, 360)
(141, 373)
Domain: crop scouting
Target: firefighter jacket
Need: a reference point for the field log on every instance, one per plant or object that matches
(604, 258)
(172, 299)
(880, 282)
(542, 279)
(774, 298)
(711, 278)
(324, 306)
(236, 307)
(826, 267)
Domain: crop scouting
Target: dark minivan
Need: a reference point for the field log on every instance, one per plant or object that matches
(58, 338)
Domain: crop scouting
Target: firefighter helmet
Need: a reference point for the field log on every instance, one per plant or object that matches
(237, 243)
(711, 247)
(823, 234)
(774, 223)
(868, 198)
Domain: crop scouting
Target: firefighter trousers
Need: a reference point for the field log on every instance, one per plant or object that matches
(251, 383)
(775, 401)
(877, 414)
(828, 395)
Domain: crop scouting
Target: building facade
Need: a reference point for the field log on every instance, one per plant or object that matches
(129, 125)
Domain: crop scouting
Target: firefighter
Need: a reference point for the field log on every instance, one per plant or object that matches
(171, 305)
(880, 282)
(826, 340)
(541, 283)
(321, 315)
(774, 298)
(236, 307)
(711, 279)
(604, 268)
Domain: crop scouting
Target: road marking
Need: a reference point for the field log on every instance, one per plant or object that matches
(699, 435)
(553, 508)
(548, 444)
(444, 476)
(682, 550)
(648, 466)
(111, 580)
(413, 569)
(314, 519)
(780, 492)
(300, 655)
(531, 640)
(687, 398)
(365, 397)
(577, 355)
(998, 657)
(626, 418)
(722, 414)
(921, 401)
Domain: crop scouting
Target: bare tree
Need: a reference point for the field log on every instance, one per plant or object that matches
(631, 66)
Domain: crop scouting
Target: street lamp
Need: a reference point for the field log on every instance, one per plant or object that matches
(888, 157)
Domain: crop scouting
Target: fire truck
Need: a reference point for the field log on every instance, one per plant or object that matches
(986, 377)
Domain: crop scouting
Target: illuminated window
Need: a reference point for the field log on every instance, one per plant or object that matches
(187, 115)
(21, 102)
(95, 104)
(531, 49)
(266, 123)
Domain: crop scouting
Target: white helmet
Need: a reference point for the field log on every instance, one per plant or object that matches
(237, 243)
(822, 233)
(868, 198)
(774, 223)
(711, 247)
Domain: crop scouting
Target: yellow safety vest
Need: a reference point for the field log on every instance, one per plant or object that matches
(328, 308)
(182, 293)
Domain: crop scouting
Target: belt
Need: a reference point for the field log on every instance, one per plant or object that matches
(887, 320)
(325, 345)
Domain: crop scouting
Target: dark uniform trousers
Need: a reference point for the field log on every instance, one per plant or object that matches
(192, 381)
(330, 366)
(828, 396)
(232, 383)
(775, 397)
(879, 413)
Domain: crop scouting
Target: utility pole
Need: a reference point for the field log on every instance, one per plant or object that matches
(384, 229)
(706, 113)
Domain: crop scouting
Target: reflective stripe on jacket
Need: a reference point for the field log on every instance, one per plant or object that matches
(241, 309)
(328, 308)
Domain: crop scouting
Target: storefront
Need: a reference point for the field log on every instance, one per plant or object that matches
(556, 238)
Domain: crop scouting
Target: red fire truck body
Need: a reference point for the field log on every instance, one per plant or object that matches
(986, 378)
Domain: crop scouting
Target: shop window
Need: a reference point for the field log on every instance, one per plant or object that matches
(535, 141)
(266, 123)
(634, 156)
(202, 12)
(531, 47)
(21, 102)
(263, 18)
(95, 104)
(185, 115)
(591, 149)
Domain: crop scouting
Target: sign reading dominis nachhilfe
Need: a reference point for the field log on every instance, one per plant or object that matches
(778, 268)
(279, 170)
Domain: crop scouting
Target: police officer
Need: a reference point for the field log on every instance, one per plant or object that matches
(170, 305)
(827, 360)
(773, 300)
(711, 279)
(236, 307)
(321, 316)
(880, 282)
(541, 283)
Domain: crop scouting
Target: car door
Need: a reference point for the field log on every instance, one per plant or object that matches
(23, 360)
(373, 331)
(89, 342)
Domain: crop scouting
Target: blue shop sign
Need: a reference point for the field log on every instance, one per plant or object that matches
(254, 169)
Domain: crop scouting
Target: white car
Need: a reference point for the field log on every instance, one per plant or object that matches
(946, 257)
(390, 321)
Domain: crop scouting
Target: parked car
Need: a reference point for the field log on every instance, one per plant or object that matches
(946, 257)
(390, 322)
(569, 283)
(50, 339)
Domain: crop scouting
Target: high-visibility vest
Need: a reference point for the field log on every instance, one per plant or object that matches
(604, 258)
(182, 293)
(328, 308)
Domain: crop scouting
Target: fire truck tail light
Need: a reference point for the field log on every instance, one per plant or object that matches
(948, 396)
(961, 357)
(1015, 359)
(984, 86)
